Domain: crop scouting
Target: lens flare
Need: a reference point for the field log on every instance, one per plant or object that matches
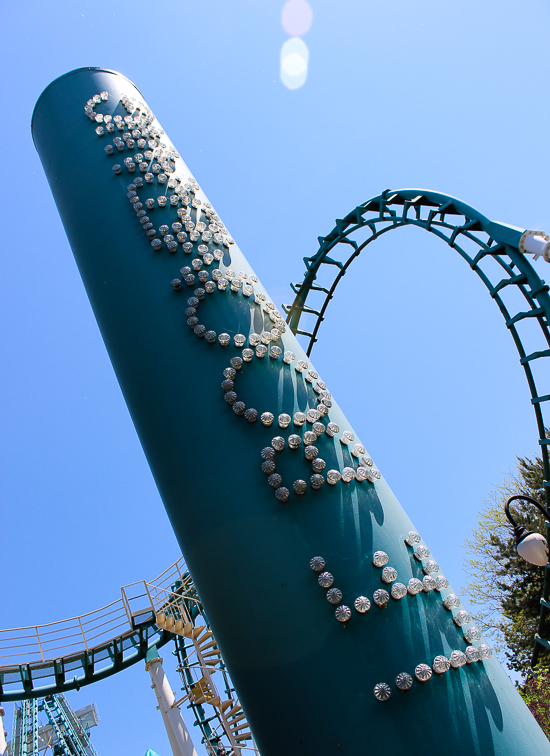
(297, 17)
(294, 63)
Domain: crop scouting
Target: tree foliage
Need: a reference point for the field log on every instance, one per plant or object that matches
(536, 694)
(507, 589)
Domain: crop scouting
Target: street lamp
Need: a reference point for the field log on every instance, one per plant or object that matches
(533, 547)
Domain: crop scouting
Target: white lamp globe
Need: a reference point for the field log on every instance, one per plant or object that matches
(534, 549)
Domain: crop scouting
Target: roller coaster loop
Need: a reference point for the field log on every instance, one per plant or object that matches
(495, 251)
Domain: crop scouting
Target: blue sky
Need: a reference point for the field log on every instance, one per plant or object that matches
(451, 97)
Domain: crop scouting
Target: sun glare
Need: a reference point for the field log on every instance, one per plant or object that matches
(296, 20)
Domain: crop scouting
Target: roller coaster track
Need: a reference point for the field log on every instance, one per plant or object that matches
(40, 660)
(493, 250)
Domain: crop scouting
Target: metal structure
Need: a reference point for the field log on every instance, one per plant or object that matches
(381, 641)
(176, 729)
(165, 609)
(494, 251)
(41, 660)
(207, 687)
(67, 732)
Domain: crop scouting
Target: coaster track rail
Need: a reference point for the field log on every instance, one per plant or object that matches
(496, 252)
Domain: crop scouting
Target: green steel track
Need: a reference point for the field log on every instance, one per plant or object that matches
(492, 250)
(40, 679)
(40, 660)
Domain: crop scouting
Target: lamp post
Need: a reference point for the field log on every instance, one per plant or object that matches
(533, 547)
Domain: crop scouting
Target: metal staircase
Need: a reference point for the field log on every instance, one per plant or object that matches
(207, 687)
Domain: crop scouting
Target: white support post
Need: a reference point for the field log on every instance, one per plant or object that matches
(3, 744)
(177, 732)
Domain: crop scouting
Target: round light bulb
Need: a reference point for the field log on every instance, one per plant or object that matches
(534, 549)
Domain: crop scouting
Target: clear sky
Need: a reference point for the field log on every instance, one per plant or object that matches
(446, 96)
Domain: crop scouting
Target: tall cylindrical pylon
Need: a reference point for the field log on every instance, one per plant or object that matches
(368, 650)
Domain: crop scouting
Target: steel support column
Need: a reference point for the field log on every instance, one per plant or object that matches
(304, 678)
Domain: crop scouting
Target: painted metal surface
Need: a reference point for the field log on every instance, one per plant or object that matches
(305, 679)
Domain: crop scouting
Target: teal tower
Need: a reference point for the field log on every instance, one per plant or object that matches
(338, 626)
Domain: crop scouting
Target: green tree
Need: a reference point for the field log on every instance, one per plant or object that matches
(505, 588)
(536, 693)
